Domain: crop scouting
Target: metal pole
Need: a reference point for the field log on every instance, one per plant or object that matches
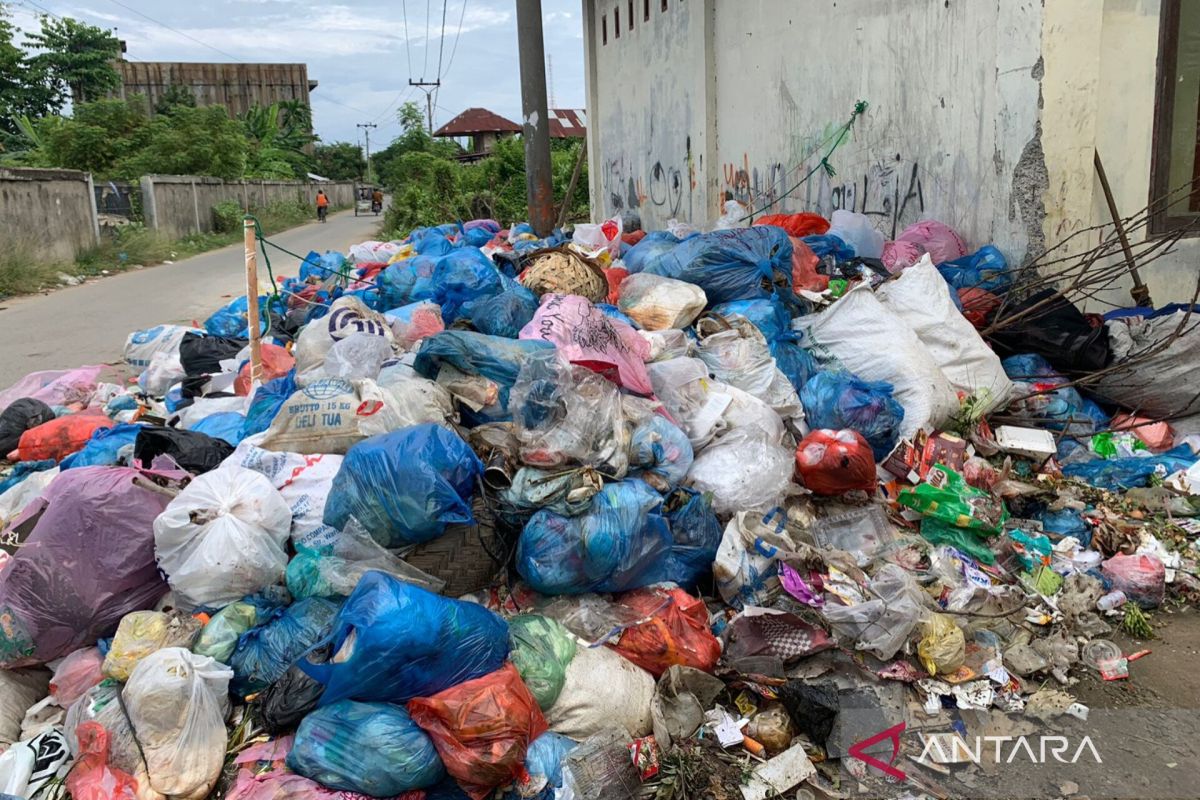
(1140, 292)
(535, 116)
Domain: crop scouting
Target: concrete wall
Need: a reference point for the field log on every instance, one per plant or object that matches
(50, 210)
(179, 204)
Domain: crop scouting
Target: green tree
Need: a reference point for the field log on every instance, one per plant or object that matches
(76, 57)
(25, 90)
(97, 137)
(414, 138)
(191, 141)
(278, 135)
(175, 95)
(341, 161)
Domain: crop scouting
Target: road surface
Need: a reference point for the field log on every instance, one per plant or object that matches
(87, 324)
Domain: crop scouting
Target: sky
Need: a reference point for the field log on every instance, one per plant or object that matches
(359, 52)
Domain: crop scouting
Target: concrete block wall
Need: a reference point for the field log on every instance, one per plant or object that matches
(52, 211)
(178, 205)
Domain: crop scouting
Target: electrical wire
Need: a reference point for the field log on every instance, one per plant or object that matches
(441, 49)
(425, 46)
(457, 33)
(407, 41)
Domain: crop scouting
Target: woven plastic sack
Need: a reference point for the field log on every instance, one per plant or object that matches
(331, 416)
(601, 691)
(737, 264)
(144, 632)
(88, 562)
(394, 641)
(482, 729)
(405, 487)
(542, 650)
(587, 337)
(656, 303)
(937, 239)
(835, 462)
(838, 400)
(223, 537)
(744, 470)
(370, 748)
(876, 345)
(177, 703)
(265, 652)
(58, 438)
(672, 629)
(805, 223)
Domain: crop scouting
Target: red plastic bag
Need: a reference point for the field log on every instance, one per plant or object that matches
(804, 268)
(77, 673)
(615, 276)
(58, 438)
(835, 462)
(676, 632)
(633, 237)
(91, 778)
(482, 728)
(977, 305)
(803, 224)
(1158, 436)
(1141, 577)
(276, 362)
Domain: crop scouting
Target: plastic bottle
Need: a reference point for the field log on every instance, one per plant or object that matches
(16, 768)
(1111, 601)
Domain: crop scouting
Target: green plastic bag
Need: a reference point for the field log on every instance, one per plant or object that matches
(220, 635)
(937, 532)
(947, 497)
(541, 650)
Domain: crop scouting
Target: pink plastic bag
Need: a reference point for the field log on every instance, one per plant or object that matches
(1158, 436)
(54, 387)
(77, 673)
(1141, 577)
(935, 238)
(586, 336)
(91, 778)
(898, 256)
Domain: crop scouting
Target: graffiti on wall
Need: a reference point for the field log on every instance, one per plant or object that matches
(663, 184)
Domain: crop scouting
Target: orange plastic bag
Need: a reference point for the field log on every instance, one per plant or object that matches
(482, 728)
(614, 276)
(91, 778)
(803, 224)
(977, 305)
(676, 631)
(804, 268)
(1158, 436)
(58, 438)
(276, 362)
(836, 462)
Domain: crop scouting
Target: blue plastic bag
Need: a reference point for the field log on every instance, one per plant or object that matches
(493, 357)
(737, 264)
(407, 643)
(544, 758)
(773, 320)
(433, 241)
(407, 281)
(696, 534)
(477, 237)
(502, 315)
(658, 446)
(1066, 522)
(22, 470)
(267, 401)
(1131, 472)
(828, 244)
(406, 486)
(461, 276)
(226, 425)
(231, 320)
(649, 250)
(265, 652)
(368, 748)
(621, 543)
(838, 400)
(102, 449)
(985, 269)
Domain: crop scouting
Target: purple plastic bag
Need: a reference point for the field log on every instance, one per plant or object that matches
(87, 562)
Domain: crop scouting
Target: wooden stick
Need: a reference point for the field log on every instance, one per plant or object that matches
(252, 300)
(566, 204)
(1140, 294)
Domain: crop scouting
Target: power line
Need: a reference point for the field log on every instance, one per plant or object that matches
(396, 101)
(176, 30)
(407, 41)
(442, 40)
(457, 33)
(425, 47)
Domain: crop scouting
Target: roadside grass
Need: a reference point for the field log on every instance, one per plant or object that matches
(133, 245)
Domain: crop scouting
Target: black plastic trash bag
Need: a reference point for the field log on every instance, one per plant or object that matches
(20, 416)
(1058, 332)
(194, 451)
(813, 708)
(288, 700)
(201, 357)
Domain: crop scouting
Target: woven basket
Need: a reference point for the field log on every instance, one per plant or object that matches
(466, 557)
(561, 270)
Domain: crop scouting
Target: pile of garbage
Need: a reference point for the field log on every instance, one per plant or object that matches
(490, 515)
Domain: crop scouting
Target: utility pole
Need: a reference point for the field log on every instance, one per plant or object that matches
(535, 122)
(366, 126)
(427, 87)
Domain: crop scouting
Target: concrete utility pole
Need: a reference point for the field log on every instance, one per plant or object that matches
(366, 126)
(535, 116)
(428, 96)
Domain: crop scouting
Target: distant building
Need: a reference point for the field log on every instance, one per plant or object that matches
(484, 128)
(238, 87)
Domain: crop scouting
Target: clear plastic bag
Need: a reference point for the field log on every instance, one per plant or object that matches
(177, 703)
(220, 636)
(882, 624)
(542, 650)
(737, 354)
(1141, 577)
(223, 537)
(142, 633)
(745, 568)
(358, 356)
(744, 470)
(656, 303)
(334, 570)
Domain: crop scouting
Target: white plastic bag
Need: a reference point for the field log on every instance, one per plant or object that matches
(347, 316)
(177, 702)
(705, 409)
(857, 231)
(734, 217)
(657, 303)
(162, 372)
(744, 470)
(876, 345)
(359, 355)
(1160, 381)
(737, 354)
(14, 500)
(142, 346)
(223, 537)
(303, 481)
(593, 240)
(668, 344)
(921, 297)
(749, 549)
(601, 690)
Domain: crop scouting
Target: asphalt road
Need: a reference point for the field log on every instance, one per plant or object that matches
(87, 324)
